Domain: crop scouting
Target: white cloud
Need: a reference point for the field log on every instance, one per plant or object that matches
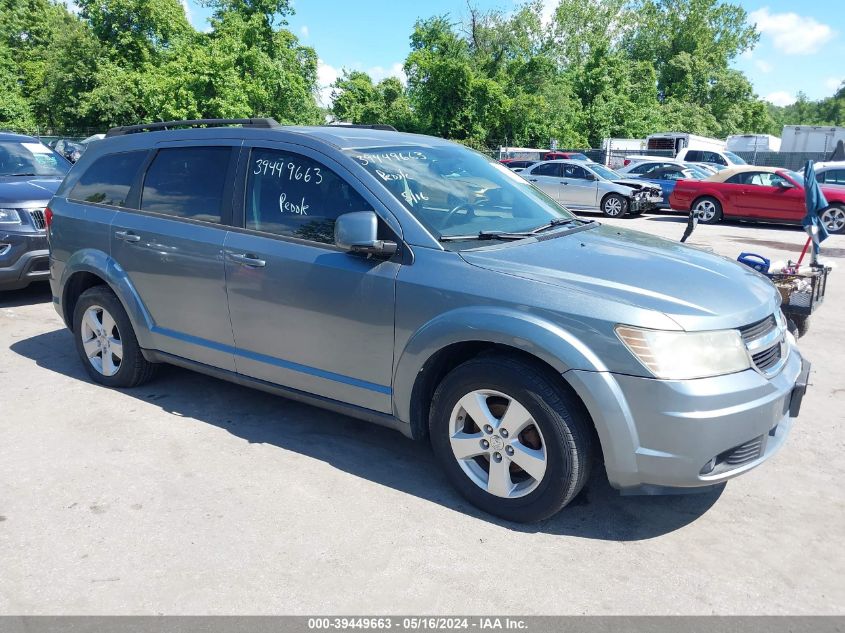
(548, 11)
(763, 66)
(304, 30)
(833, 83)
(792, 33)
(187, 8)
(780, 98)
(72, 6)
(377, 73)
(326, 76)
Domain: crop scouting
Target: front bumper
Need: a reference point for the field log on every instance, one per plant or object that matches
(24, 258)
(659, 434)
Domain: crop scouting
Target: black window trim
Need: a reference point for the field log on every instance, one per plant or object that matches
(239, 205)
(141, 169)
(226, 212)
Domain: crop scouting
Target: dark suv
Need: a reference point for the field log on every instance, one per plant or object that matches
(30, 173)
(418, 284)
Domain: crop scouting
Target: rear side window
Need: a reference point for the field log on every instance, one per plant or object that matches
(834, 176)
(187, 182)
(694, 156)
(642, 168)
(108, 179)
(293, 195)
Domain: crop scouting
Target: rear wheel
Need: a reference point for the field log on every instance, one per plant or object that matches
(105, 340)
(709, 210)
(833, 219)
(614, 205)
(511, 439)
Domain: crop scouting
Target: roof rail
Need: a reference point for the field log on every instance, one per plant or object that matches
(367, 126)
(166, 125)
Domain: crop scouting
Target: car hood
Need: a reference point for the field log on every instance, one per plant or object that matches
(635, 184)
(23, 191)
(696, 289)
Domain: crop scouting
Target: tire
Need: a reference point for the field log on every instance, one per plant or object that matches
(833, 218)
(614, 205)
(106, 342)
(709, 210)
(555, 427)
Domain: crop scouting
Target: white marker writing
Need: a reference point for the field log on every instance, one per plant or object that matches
(290, 207)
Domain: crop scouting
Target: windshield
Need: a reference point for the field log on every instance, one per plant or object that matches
(456, 191)
(604, 172)
(735, 159)
(30, 159)
(798, 178)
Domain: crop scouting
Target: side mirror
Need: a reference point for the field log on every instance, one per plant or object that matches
(357, 232)
(785, 184)
(591, 177)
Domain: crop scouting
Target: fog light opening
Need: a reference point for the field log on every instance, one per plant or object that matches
(708, 467)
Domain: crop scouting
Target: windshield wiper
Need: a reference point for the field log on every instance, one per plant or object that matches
(25, 174)
(557, 222)
(485, 235)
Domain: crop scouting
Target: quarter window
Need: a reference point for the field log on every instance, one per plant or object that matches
(187, 182)
(289, 194)
(109, 179)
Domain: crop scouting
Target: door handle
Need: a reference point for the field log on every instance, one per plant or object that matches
(532, 180)
(127, 236)
(245, 259)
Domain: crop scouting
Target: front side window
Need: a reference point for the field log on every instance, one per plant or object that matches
(574, 171)
(108, 179)
(293, 195)
(547, 169)
(187, 182)
(30, 159)
(834, 176)
(456, 191)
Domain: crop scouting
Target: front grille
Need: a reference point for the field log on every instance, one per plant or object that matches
(768, 358)
(764, 340)
(743, 453)
(756, 330)
(38, 219)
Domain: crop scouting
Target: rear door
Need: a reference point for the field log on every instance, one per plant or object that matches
(172, 248)
(547, 178)
(307, 314)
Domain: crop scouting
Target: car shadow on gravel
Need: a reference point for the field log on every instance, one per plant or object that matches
(38, 292)
(365, 450)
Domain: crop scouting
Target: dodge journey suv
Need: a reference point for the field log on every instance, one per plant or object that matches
(418, 284)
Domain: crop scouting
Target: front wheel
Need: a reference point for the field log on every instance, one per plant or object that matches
(708, 210)
(833, 219)
(511, 439)
(614, 205)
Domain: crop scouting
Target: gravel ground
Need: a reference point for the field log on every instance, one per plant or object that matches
(194, 496)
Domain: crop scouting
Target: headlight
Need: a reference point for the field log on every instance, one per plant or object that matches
(683, 355)
(9, 216)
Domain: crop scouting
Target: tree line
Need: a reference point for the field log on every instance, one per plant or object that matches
(592, 69)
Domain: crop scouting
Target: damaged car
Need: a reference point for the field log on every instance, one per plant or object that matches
(591, 186)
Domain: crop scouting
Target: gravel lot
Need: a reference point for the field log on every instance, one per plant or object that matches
(193, 496)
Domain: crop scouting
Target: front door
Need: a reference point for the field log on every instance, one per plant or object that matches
(306, 314)
(581, 188)
(172, 250)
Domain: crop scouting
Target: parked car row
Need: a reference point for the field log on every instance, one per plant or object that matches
(72, 149)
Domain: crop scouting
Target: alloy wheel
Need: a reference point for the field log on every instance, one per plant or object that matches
(613, 207)
(833, 219)
(101, 340)
(498, 444)
(705, 210)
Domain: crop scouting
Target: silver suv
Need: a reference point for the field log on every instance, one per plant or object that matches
(417, 284)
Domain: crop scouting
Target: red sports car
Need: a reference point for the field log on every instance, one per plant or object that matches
(768, 194)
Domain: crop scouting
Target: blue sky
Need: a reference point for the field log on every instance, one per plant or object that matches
(802, 45)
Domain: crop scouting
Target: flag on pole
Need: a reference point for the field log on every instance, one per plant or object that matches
(816, 202)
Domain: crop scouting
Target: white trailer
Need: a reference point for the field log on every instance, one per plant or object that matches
(676, 141)
(753, 143)
(523, 153)
(811, 138)
(615, 150)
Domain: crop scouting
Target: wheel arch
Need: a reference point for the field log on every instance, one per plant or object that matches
(443, 344)
(88, 268)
